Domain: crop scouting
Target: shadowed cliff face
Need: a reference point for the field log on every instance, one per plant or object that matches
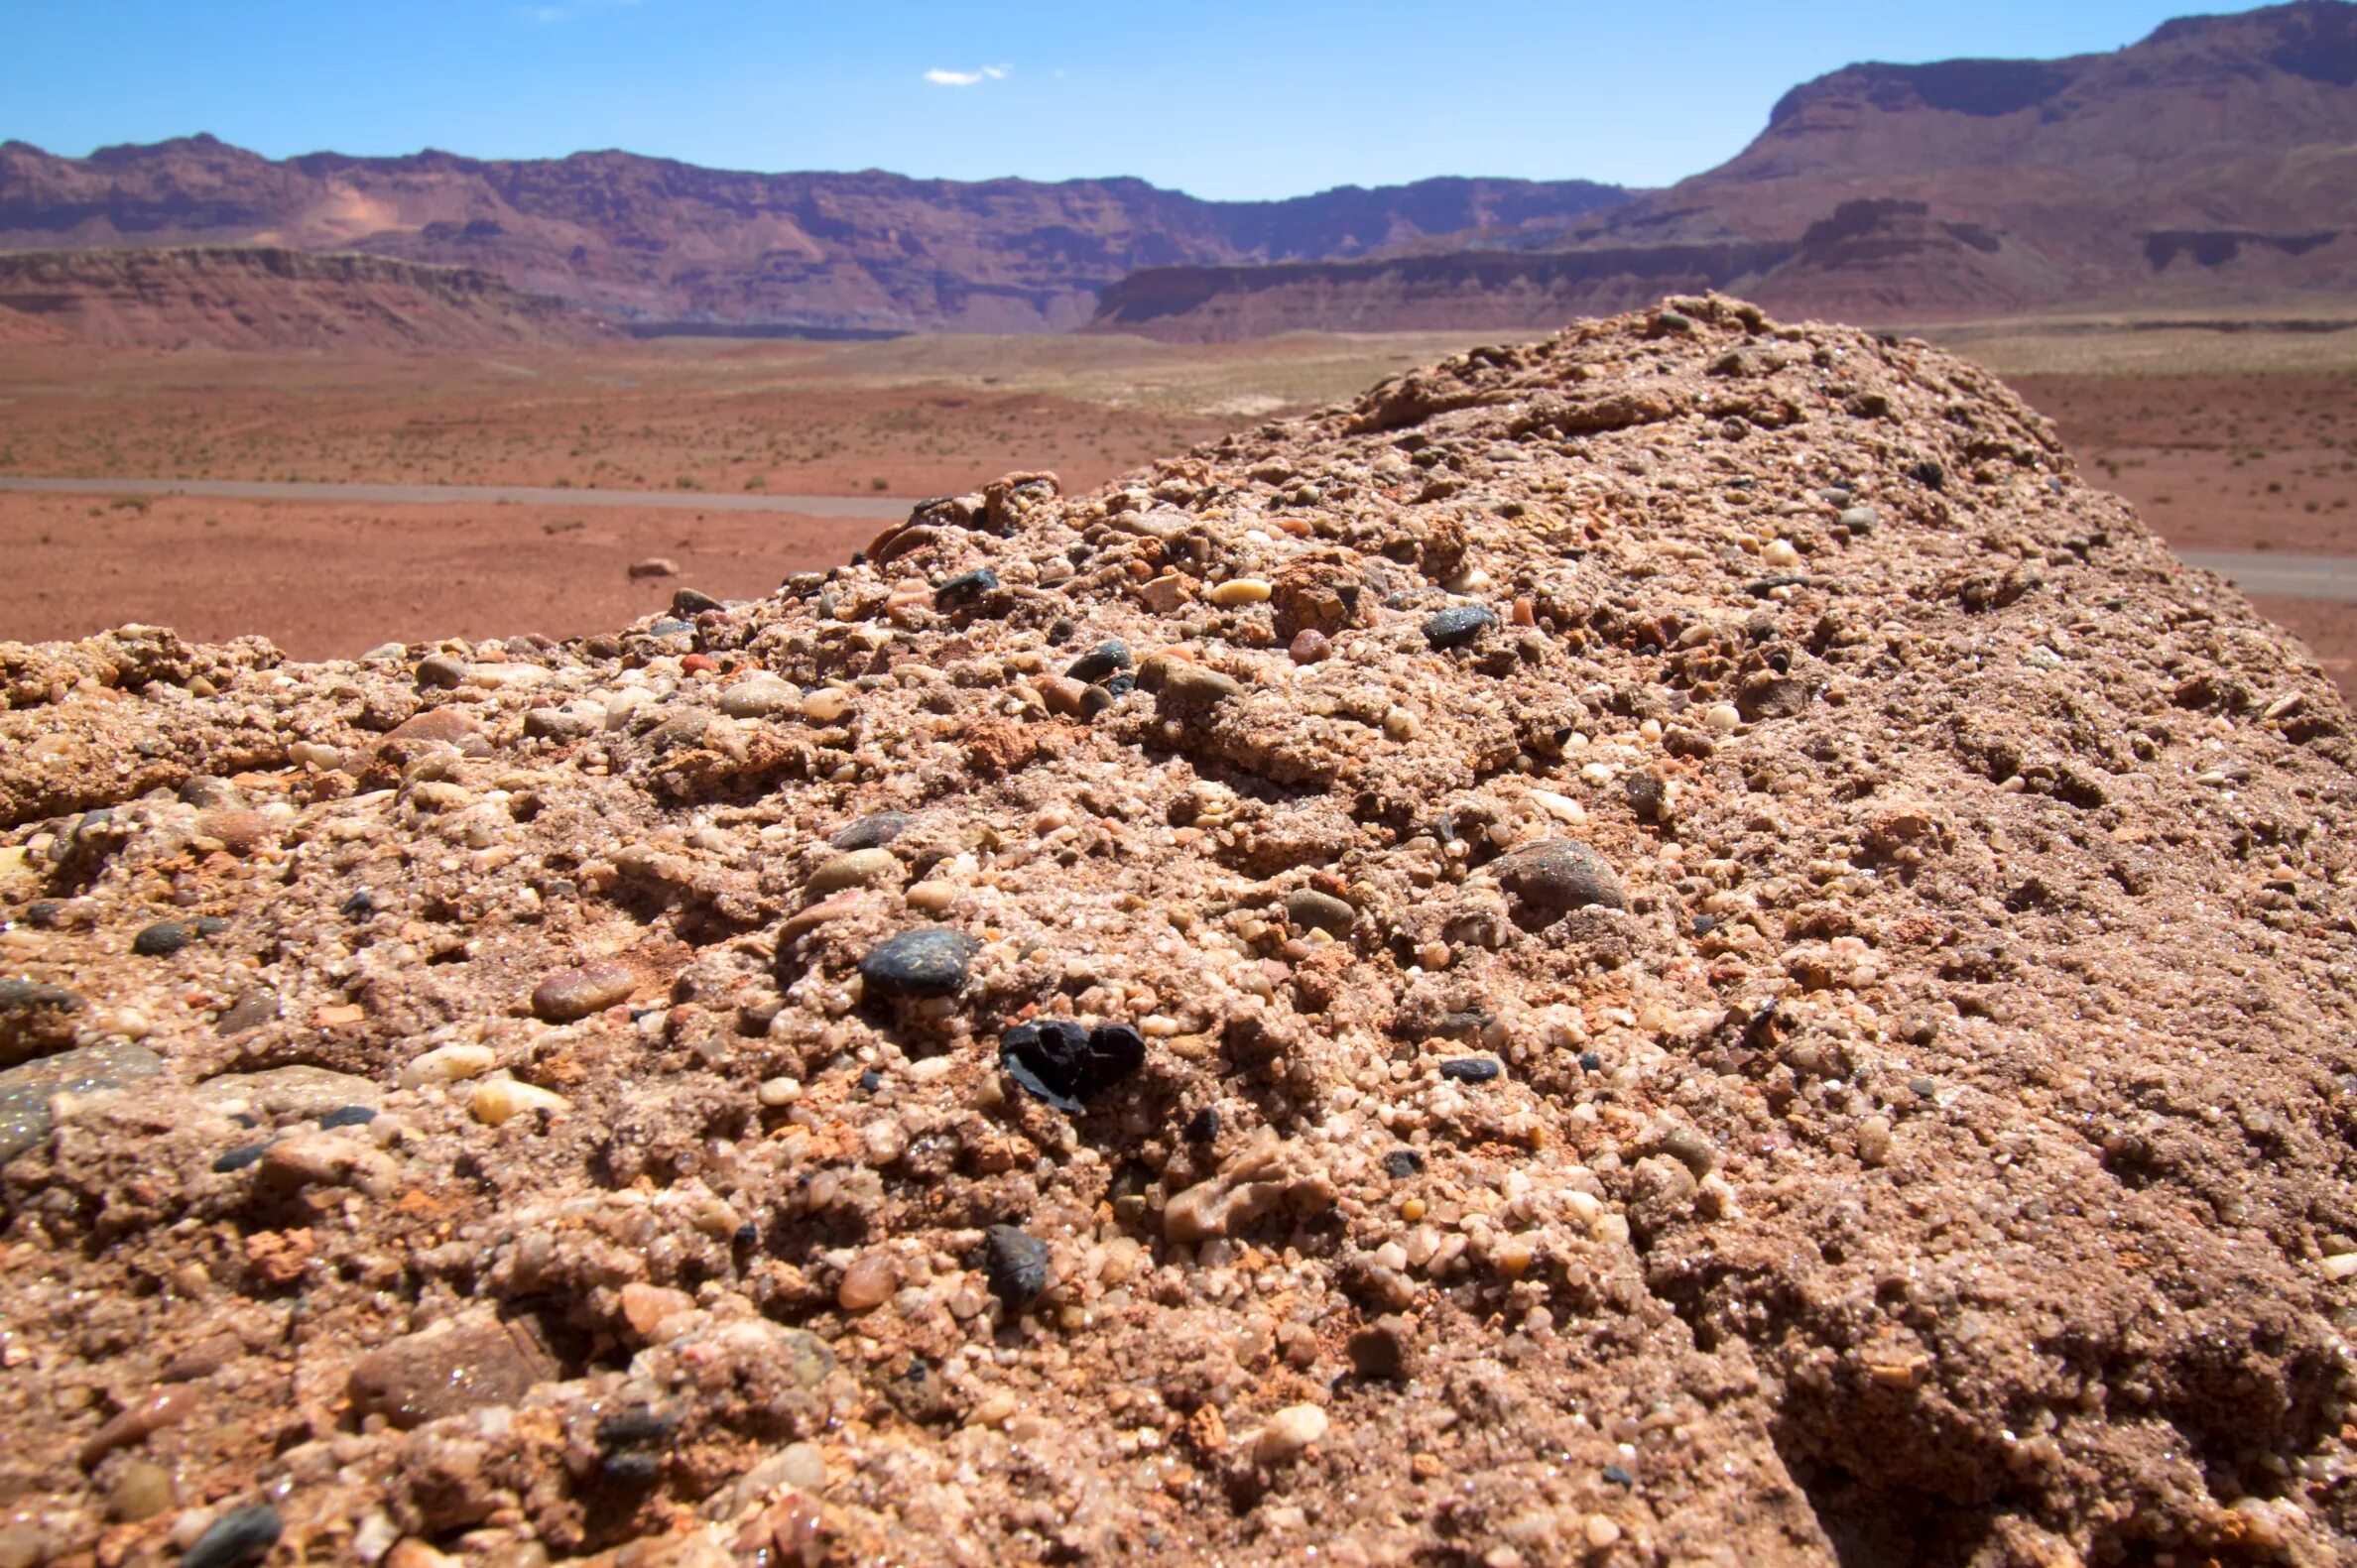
(649, 241)
(2209, 164)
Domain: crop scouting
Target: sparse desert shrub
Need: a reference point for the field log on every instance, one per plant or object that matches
(879, 484)
(562, 526)
(139, 503)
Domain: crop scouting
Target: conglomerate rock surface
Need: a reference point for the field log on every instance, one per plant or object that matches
(1665, 946)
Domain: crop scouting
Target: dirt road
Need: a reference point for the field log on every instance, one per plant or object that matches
(493, 495)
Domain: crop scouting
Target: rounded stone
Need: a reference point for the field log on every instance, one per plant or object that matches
(162, 939)
(931, 961)
(1290, 1431)
(239, 1537)
(1313, 911)
(1100, 661)
(761, 697)
(140, 1491)
(1309, 647)
(1016, 1262)
(1459, 625)
(574, 994)
(859, 868)
(1561, 875)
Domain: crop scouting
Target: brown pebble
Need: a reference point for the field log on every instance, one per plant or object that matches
(165, 1406)
(867, 1283)
(1309, 647)
(571, 993)
(140, 1491)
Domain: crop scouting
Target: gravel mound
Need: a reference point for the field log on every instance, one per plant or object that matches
(1665, 946)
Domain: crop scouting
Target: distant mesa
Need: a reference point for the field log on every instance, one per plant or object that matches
(656, 246)
(2213, 164)
(262, 297)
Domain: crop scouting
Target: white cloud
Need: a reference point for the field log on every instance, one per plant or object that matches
(966, 78)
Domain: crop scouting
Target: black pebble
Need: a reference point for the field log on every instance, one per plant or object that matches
(930, 961)
(211, 926)
(1589, 1061)
(631, 1468)
(1017, 1263)
(1401, 1164)
(1459, 625)
(1203, 1126)
(1704, 925)
(870, 1081)
(359, 906)
(873, 831)
(348, 1115)
(635, 1427)
(1121, 685)
(964, 587)
(1619, 1476)
(747, 1234)
(241, 1535)
(1100, 662)
(1472, 1069)
(161, 940)
(43, 913)
(1929, 475)
(239, 1158)
(1061, 633)
(1062, 1064)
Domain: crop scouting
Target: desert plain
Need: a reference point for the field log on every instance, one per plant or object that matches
(2231, 437)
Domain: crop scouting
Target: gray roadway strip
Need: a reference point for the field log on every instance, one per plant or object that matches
(519, 495)
(2267, 574)
(2263, 574)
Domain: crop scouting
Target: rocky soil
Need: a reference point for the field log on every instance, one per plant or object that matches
(1672, 945)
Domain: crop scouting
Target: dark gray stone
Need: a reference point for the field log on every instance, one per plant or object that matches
(873, 831)
(1459, 625)
(239, 1537)
(928, 962)
(1100, 661)
(1016, 1265)
(162, 939)
(26, 1091)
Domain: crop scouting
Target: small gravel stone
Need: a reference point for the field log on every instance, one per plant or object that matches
(1313, 911)
(868, 1283)
(140, 1491)
(162, 939)
(965, 589)
(1289, 1432)
(873, 832)
(858, 868)
(440, 672)
(348, 1115)
(1100, 661)
(1016, 1263)
(761, 697)
(1401, 1164)
(1860, 520)
(1459, 625)
(239, 1537)
(1690, 1150)
(931, 961)
(239, 1158)
(1559, 875)
(574, 994)
(249, 1011)
(1057, 1061)
(1309, 647)
(687, 603)
(1471, 1069)
(34, 1018)
(26, 1090)
(458, 1364)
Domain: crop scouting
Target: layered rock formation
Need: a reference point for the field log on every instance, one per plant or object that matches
(1666, 945)
(2209, 164)
(272, 298)
(662, 244)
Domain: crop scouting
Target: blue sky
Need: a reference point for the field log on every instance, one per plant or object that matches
(1219, 98)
